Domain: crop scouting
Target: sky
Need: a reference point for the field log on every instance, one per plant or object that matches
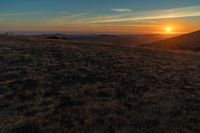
(100, 16)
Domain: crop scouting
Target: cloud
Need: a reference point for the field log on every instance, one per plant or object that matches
(66, 19)
(64, 12)
(78, 15)
(121, 10)
(19, 14)
(183, 12)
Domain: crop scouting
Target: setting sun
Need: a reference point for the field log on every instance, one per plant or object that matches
(168, 29)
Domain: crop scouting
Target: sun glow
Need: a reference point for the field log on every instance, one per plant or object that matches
(169, 30)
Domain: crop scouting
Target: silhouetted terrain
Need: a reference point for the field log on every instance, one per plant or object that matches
(56, 85)
(190, 41)
(121, 40)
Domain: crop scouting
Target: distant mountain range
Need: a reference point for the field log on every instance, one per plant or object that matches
(125, 40)
(190, 41)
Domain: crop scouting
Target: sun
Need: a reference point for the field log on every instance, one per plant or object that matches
(168, 29)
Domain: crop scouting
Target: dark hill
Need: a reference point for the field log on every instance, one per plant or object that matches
(122, 40)
(190, 41)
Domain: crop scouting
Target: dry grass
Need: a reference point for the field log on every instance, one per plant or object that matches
(59, 86)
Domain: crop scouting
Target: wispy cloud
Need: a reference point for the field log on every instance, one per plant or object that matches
(75, 15)
(129, 25)
(121, 10)
(19, 14)
(66, 19)
(150, 15)
(64, 12)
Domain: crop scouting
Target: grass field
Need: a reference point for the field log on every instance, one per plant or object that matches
(61, 86)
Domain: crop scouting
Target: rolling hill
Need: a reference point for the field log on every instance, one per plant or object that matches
(190, 41)
(122, 40)
(54, 85)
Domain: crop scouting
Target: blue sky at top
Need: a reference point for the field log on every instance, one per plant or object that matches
(90, 5)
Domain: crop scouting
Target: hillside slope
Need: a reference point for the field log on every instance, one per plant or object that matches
(190, 41)
(58, 86)
(121, 40)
